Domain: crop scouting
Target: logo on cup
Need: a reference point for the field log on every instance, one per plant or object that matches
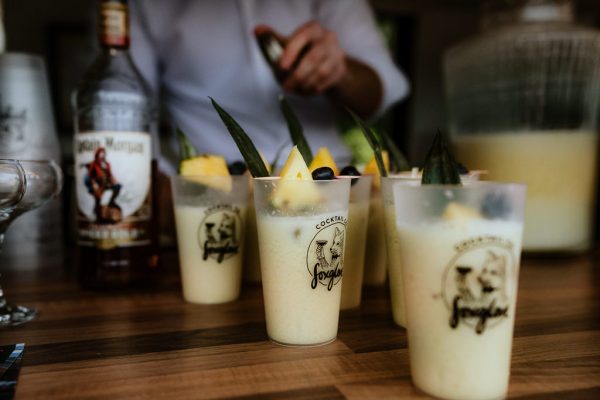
(477, 283)
(219, 233)
(324, 258)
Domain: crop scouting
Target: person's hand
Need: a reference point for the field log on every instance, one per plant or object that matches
(313, 63)
(313, 59)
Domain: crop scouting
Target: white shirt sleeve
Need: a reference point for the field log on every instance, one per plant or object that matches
(354, 23)
(144, 48)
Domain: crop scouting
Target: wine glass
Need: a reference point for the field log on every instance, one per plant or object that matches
(24, 185)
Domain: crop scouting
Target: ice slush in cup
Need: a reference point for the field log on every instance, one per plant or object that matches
(460, 250)
(210, 218)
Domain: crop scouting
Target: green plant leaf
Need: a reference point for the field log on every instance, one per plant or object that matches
(396, 157)
(440, 167)
(373, 142)
(255, 164)
(296, 131)
(186, 148)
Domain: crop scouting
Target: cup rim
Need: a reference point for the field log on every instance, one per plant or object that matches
(474, 185)
(366, 176)
(278, 178)
(191, 177)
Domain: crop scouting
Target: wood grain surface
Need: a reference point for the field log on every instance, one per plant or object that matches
(151, 344)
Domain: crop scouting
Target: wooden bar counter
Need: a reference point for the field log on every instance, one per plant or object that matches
(151, 344)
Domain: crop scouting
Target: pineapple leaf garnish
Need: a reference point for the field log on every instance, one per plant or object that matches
(440, 167)
(397, 158)
(255, 163)
(296, 131)
(373, 142)
(186, 148)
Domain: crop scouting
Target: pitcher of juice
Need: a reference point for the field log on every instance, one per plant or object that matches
(522, 100)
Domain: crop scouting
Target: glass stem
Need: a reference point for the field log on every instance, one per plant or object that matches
(2, 232)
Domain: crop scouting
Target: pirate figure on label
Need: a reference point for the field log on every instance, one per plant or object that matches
(100, 179)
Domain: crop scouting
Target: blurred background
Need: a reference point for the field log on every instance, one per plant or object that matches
(418, 33)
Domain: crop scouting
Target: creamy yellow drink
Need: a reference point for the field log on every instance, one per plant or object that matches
(376, 254)
(210, 241)
(560, 169)
(251, 253)
(461, 280)
(302, 267)
(394, 259)
(301, 234)
(354, 255)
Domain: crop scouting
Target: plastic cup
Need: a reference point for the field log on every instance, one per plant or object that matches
(301, 258)
(251, 253)
(460, 249)
(210, 224)
(392, 241)
(394, 262)
(356, 241)
(376, 255)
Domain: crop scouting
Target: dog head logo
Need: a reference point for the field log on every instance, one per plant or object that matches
(219, 234)
(477, 286)
(324, 258)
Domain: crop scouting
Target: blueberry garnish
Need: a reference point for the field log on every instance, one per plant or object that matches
(350, 170)
(495, 205)
(462, 170)
(237, 168)
(323, 174)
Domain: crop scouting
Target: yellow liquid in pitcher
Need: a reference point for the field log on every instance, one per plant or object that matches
(560, 169)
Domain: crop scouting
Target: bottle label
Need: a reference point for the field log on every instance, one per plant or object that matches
(112, 182)
(114, 31)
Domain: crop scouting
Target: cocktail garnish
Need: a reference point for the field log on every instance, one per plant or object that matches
(397, 158)
(350, 170)
(289, 194)
(295, 168)
(254, 161)
(323, 159)
(457, 211)
(323, 174)
(207, 169)
(440, 167)
(496, 205)
(296, 131)
(186, 148)
(237, 168)
(373, 142)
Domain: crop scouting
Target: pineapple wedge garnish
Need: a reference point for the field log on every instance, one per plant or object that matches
(295, 168)
(207, 169)
(323, 159)
(289, 194)
(456, 211)
(372, 169)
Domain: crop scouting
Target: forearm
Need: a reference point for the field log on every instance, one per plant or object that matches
(360, 89)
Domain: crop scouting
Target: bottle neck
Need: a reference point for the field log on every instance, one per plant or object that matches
(114, 24)
(499, 13)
